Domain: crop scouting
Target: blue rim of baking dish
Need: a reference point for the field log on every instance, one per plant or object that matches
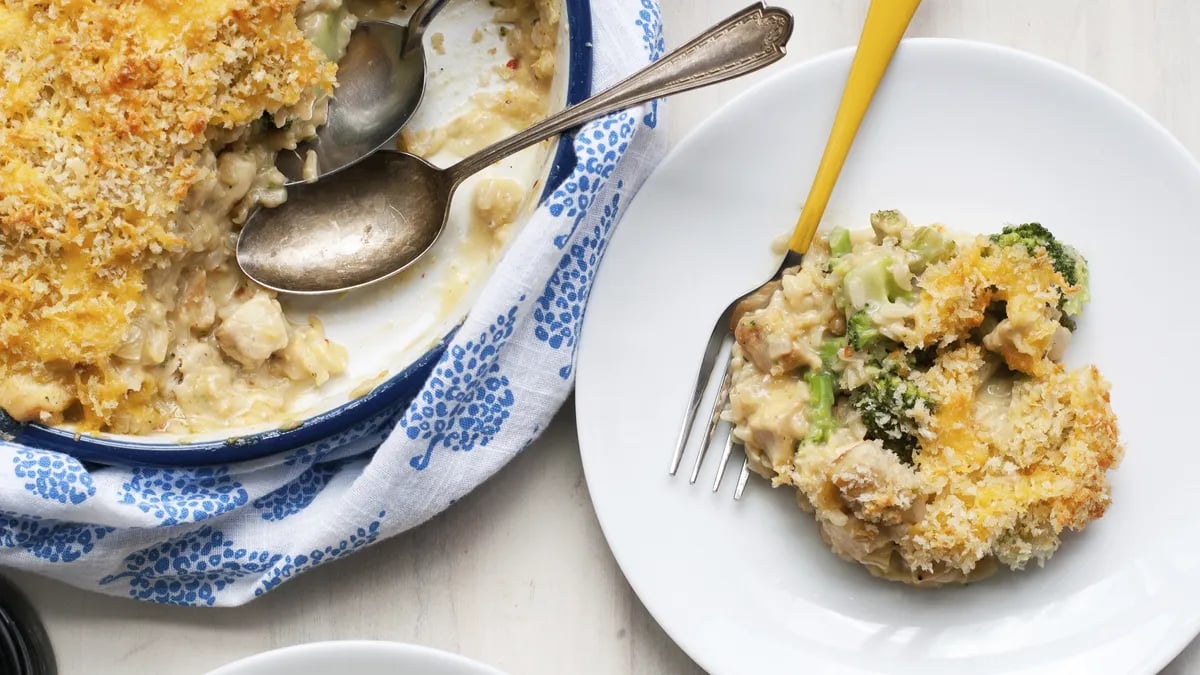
(393, 393)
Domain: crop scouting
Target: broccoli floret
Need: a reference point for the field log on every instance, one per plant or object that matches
(884, 404)
(890, 223)
(1066, 260)
(830, 351)
(871, 282)
(861, 332)
(839, 241)
(820, 405)
(1033, 237)
(1073, 306)
(930, 247)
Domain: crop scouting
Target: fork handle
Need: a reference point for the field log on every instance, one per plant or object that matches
(752, 39)
(887, 20)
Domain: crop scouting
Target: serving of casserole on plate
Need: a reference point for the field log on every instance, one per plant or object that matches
(907, 381)
(932, 387)
(135, 140)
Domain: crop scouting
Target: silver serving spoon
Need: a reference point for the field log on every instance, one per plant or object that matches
(376, 218)
(381, 80)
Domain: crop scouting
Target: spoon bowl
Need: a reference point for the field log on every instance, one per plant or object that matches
(334, 238)
(380, 86)
(381, 81)
(377, 218)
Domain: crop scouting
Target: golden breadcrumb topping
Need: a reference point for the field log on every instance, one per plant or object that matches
(105, 107)
(955, 295)
(1009, 480)
(906, 381)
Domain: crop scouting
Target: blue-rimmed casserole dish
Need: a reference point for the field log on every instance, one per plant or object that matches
(376, 402)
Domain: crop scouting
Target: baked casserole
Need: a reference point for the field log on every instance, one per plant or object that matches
(135, 137)
(907, 383)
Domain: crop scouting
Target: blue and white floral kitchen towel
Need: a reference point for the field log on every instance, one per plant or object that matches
(224, 535)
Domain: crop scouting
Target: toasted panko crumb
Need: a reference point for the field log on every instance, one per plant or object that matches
(105, 108)
(1010, 488)
(956, 294)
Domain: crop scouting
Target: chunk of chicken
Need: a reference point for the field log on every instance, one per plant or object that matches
(254, 331)
(32, 399)
(200, 376)
(768, 412)
(876, 486)
(780, 336)
(311, 356)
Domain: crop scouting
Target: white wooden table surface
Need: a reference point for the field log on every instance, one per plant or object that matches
(518, 574)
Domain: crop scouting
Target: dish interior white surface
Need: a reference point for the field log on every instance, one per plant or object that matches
(388, 326)
(357, 657)
(973, 136)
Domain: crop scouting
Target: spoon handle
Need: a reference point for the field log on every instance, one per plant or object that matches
(887, 20)
(421, 18)
(745, 42)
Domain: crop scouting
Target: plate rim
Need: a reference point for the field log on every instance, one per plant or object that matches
(393, 393)
(304, 649)
(1165, 650)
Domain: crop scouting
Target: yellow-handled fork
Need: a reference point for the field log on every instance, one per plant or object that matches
(886, 22)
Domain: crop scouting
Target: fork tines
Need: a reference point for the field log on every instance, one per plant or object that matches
(718, 351)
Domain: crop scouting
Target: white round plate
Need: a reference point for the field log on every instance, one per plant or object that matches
(357, 657)
(973, 136)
